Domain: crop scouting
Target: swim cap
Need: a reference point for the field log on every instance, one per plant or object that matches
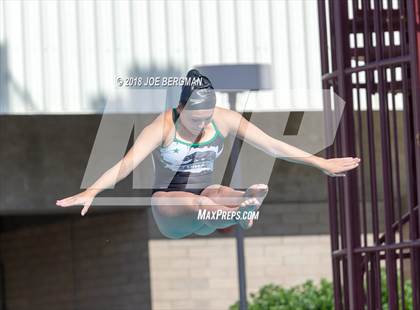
(199, 95)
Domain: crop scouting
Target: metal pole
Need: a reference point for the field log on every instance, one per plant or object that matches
(413, 21)
(238, 231)
(332, 192)
(351, 212)
(241, 267)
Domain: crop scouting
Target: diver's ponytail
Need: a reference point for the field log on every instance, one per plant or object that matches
(204, 99)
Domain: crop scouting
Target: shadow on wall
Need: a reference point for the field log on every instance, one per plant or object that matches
(7, 83)
(98, 102)
(4, 91)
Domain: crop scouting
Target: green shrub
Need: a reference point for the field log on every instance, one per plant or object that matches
(308, 296)
(408, 292)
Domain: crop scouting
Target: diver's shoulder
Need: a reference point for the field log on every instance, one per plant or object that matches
(162, 121)
(221, 119)
(164, 116)
(221, 111)
(225, 114)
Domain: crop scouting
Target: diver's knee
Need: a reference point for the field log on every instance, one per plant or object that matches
(214, 186)
(173, 233)
(202, 201)
(213, 189)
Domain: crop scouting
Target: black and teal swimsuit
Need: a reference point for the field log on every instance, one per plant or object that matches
(183, 166)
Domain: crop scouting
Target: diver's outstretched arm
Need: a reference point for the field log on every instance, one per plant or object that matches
(150, 138)
(245, 130)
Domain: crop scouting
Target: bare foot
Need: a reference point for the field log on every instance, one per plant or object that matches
(258, 191)
(253, 198)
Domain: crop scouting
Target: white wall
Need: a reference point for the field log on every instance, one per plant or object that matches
(64, 56)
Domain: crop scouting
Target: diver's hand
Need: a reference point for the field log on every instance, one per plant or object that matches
(337, 167)
(84, 198)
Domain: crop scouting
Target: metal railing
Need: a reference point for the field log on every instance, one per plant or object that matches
(370, 58)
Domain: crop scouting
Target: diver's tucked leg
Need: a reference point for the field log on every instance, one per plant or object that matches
(231, 197)
(224, 195)
(176, 213)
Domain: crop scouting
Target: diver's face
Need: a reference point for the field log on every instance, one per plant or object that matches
(196, 120)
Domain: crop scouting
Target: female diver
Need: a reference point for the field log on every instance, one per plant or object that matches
(185, 142)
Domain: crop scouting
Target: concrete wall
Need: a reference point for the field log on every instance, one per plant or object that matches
(96, 262)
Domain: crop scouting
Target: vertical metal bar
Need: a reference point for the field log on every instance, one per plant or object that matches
(339, 184)
(332, 198)
(386, 163)
(409, 152)
(414, 36)
(367, 42)
(345, 296)
(233, 160)
(372, 281)
(342, 262)
(361, 153)
(339, 188)
(390, 28)
(413, 18)
(241, 267)
(359, 123)
(350, 183)
(343, 230)
(370, 127)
